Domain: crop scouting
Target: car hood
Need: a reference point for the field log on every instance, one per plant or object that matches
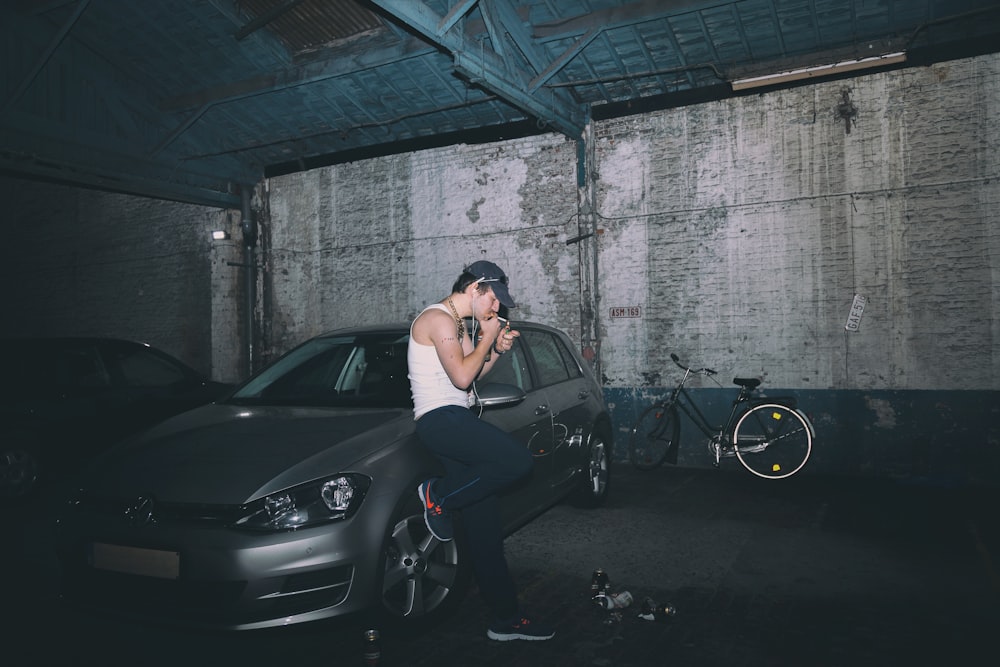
(229, 454)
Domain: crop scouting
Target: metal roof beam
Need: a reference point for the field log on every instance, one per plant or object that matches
(335, 66)
(560, 62)
(324, 70)
(495, 30)
(486, 69)
(500, 11)
(504, 14)
(454, 15)
(24, 152)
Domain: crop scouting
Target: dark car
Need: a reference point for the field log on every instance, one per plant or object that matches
(295, 499)
(63, 400)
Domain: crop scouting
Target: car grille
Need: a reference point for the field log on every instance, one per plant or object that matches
(185, 512)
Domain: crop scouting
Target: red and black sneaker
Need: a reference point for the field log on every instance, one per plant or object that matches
(437, 519)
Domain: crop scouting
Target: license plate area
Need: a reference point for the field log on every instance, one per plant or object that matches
(136, 560)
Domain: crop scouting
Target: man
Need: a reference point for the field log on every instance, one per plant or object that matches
(479, 459)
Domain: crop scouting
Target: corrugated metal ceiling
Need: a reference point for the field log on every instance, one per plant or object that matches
(192, 100)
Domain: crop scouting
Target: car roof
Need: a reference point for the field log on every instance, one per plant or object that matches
(13, 346)
(74, 339)
(404, 328)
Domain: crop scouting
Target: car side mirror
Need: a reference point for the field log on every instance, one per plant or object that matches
(496, 393)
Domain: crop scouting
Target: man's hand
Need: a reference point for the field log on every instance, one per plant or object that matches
(490, 327)
(505, 338)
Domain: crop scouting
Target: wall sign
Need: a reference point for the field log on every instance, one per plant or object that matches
(625, 311)
(854, 317)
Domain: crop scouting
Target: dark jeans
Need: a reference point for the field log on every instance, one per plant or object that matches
(479, 460)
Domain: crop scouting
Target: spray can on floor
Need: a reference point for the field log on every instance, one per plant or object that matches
(372, 652)
(599, 584)
(617, 600)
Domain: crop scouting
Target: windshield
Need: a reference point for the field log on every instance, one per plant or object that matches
(367, 370)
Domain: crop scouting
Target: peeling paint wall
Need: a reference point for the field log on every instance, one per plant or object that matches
(378, 240)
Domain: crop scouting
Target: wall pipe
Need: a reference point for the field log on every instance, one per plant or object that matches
(248, 226)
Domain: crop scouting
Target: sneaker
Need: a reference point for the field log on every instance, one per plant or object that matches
(519, 628)
(438, 520)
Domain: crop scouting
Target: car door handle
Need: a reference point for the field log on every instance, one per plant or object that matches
(541, 409)
(583, 394)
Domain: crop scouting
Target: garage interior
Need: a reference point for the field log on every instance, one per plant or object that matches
(125, 126)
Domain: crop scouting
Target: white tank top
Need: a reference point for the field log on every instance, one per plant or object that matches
(430, 385)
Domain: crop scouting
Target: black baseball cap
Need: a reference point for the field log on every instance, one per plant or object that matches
(488, 272)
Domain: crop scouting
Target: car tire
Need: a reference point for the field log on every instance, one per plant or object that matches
(423, 579)
(20, 465)
(596, 481)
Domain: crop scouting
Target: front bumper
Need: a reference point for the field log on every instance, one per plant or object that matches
(179, 572)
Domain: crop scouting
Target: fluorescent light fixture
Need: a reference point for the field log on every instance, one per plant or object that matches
(220, 235)
(818, 71)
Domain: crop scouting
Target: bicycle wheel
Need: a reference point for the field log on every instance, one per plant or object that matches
(654, 437)
(773, 441)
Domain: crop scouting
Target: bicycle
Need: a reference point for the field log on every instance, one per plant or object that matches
(770, 437)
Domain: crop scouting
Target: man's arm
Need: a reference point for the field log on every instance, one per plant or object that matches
(461, 361)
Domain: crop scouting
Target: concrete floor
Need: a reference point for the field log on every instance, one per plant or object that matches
(807, 571)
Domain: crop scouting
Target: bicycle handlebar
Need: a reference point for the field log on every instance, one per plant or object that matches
(702, 371)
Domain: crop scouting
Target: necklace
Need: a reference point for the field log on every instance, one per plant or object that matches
(458, 320)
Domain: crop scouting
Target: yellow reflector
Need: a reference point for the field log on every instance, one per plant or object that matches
(776, 415)
(775, 468)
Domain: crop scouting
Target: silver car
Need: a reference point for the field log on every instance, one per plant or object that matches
(295, 498)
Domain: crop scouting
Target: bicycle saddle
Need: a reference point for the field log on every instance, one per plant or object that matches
(749, 383)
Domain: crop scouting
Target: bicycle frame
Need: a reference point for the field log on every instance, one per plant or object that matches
(719, 435)
(697, 417)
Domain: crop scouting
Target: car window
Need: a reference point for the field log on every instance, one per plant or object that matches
(78, 367)
(365, 370)
(511, 368)
(142, 368)
(553, 360)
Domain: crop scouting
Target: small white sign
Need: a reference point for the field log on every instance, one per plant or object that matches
(854, 317)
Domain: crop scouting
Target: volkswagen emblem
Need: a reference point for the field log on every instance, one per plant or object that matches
(140, 513)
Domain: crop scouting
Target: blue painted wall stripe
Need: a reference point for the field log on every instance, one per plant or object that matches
(947, 438)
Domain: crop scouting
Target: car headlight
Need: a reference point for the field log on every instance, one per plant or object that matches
(331, 499)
